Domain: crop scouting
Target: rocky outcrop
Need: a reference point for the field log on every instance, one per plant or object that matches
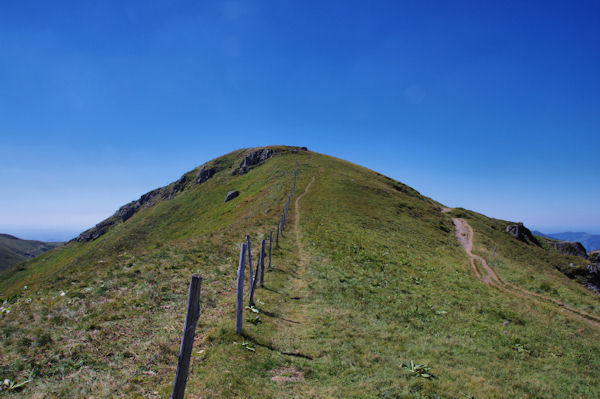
(252, 159)
(148, 199)
(231, 195)
(205, 174)
(522, 233)
(128, 210)
(172, 189)
(594, 257)
(95, 232)
(569, 248)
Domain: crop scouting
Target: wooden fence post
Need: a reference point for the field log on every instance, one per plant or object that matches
(262, 263)
(249, 249)
(187, 339)
(253, 284)
(270, 247)
(277, 237)
(239, 307)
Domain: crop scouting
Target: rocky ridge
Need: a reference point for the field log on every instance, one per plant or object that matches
(168, 192)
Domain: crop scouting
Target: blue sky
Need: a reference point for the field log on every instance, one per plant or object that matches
(493, 106)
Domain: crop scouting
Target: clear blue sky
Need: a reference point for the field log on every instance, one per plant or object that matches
(493, 106)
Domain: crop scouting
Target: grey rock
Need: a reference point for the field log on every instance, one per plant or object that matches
(231, 195)
(252, 159)
(128, 210)
(205, 174)
(178, 186)
(95, 232)
(569, 248)
(594, 257)
(521, 233)
(147, 199)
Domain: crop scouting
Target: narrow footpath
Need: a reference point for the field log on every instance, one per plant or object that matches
(293, 321)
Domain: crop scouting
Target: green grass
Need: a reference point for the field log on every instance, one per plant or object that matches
(380, 281)
(14, 250)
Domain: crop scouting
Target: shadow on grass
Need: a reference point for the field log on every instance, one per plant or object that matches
(275, 269)
(272, 290)
(277, 316)
(270, 347)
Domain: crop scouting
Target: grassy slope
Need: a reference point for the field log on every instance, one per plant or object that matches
(378, 280)
(14, 250)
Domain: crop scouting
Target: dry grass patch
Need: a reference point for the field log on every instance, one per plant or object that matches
(286, 374)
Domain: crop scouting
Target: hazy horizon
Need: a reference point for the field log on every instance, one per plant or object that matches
(50, 234)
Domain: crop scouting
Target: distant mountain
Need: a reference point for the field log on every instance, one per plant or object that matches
(591, 242)
(14, 250)
(540, 234)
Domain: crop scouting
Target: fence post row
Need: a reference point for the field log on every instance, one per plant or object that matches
(187, 339)
(262, 263)
(253, 283)
(239, 306)
(270, 246)
(254, 276)
(249, 249)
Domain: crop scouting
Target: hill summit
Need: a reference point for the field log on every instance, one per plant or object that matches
(375, 291)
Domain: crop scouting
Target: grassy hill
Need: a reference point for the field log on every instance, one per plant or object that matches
(14, 250)
(368, 278)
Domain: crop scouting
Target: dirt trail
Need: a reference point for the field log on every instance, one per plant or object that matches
(301, 252)
(464, 234)
(291, 333)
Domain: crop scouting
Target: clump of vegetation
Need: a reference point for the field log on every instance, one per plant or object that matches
(418, 370)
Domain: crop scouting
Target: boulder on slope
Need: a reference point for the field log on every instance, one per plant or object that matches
(569, 248)
(231, 195)
(522, 233)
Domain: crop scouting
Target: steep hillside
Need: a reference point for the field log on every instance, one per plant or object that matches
(14, 250)
(368, 282)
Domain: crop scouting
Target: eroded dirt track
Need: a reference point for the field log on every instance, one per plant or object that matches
(464, 234)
